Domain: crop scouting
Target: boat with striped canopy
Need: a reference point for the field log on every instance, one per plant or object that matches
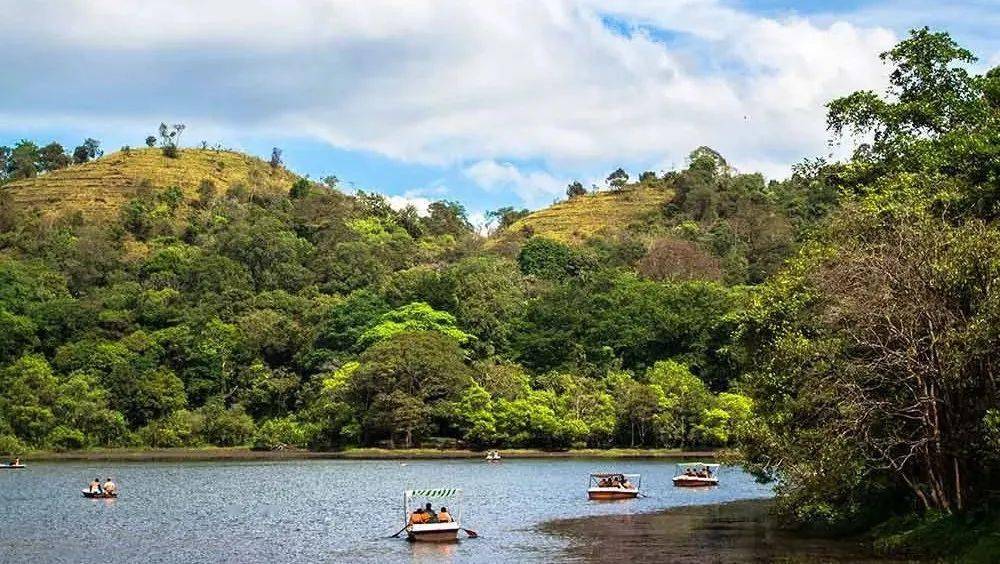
(433, 532)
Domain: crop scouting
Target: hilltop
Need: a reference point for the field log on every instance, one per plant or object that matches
(99, 188)
(605, 213)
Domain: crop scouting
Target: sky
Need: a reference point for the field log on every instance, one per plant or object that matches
(490, 103)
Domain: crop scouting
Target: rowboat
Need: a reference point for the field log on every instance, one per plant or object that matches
(98, 495)
(612, 485)
(696, 475)
(493, 456)
(433, 532)
(11, 466)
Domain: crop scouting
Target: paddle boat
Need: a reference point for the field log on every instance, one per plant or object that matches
(696, 475)
(99, 495)
(613, 485)
(434, 532)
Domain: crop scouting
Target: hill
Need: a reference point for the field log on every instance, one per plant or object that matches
(598, 213)
(100, 187)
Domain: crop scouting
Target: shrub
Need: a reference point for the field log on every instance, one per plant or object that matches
(9, 445)
(226, 427)
(279, 433)
(65, 438)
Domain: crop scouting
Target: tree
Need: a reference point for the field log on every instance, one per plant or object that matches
(399, 378)
(575, 189)
(447, 218)
(170, 138)
(300, 189)
(275, 161)
(417, 316)
(90, 149)
(618, 179)
(151, 141)
(52, 157)
(24, 160)
(505, 216)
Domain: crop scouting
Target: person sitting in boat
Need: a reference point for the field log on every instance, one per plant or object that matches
(109, 487)
(627, 484)
(429, 514)
(443, 515)
(417, 517)
(95, 486)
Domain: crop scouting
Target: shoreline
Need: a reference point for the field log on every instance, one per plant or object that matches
(246, 454)
(737, 531)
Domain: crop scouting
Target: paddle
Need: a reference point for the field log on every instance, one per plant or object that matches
(472, 534)
(399, 532)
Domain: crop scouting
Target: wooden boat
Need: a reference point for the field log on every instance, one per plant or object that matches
(687, 475)
(98, 495)
(434, 532)
(613, 485)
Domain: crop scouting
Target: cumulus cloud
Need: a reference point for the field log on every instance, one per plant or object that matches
(448, 82)
(534, 188)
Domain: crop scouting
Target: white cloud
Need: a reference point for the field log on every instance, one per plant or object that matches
(448, 82)
(418, 202)
(534, 188)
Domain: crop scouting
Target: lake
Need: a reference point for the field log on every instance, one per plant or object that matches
(316, 510)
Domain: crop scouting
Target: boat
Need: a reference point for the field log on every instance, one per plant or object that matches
(687, 475)
(11, 466)
(613, 485)
(433, 532)
(493, 456)
(98, 495)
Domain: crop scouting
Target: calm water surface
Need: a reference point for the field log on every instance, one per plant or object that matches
(314, 511)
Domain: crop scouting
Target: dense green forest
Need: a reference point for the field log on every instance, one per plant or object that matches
(841, 326)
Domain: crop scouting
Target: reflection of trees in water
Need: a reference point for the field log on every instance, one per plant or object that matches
(433, 551)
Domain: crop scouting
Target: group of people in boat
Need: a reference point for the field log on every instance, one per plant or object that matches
(15, 462)
(705, 472)
(107, 488)
(616, 481)
(426, 514)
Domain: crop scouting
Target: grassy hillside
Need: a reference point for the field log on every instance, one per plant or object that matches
(576, 219)
(100, 187)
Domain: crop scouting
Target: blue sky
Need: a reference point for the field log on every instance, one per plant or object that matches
(489, 103)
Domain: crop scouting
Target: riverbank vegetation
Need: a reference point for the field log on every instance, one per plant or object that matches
(840, 327)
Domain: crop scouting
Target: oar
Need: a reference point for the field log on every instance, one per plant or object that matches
(399, 532)
(472, 534)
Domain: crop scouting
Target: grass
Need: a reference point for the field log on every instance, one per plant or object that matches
(100, 187)
(243, 453)
(607, 213)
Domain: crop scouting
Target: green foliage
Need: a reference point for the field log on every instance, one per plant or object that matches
(416, 316)
(280, 433)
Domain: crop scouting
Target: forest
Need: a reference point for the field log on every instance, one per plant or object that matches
(839, 328)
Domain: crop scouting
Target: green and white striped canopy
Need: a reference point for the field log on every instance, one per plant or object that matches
(438, 492)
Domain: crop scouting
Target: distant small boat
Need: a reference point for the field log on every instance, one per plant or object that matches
(11, 466)
(607, 486)
(98, 495)
(493, 455)
(696, 475)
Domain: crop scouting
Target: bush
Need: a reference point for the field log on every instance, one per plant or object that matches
(226, 427)
(179, 429)
(279, 433)
(170, 151)
(65, 438)
(9, 445)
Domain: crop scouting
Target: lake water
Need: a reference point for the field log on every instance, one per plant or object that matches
(315, 510)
